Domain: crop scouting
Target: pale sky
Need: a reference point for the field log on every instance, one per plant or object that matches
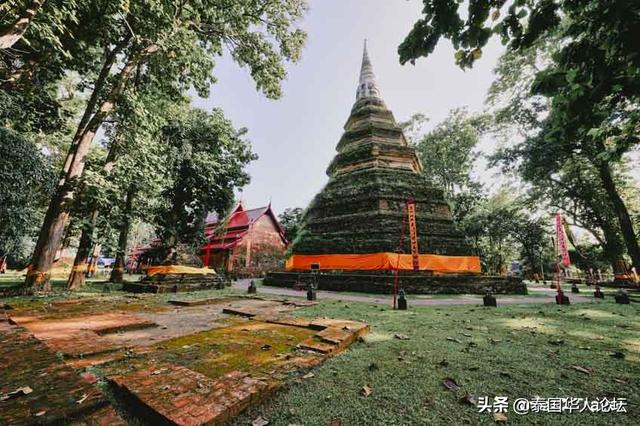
(296, 135)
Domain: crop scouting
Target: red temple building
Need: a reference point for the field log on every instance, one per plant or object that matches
(247, 242)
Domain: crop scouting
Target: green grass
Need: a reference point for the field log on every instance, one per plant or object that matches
(514, 351)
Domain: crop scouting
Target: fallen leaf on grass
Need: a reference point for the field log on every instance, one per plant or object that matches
(260, 422)
(450, 383)
(469, 399)
(24, 390)
(401, 336)
(499, 418)
(308, 376)
(585, 370)
(40, 413)
(365, 391)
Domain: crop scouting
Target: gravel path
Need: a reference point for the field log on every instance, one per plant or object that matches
(543, 295)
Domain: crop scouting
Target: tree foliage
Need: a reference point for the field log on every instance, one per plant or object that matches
(592, 83)
(501, 229)
(447, 151)
(206, 163)
(26, 179)
(113, 46)
(290, 220)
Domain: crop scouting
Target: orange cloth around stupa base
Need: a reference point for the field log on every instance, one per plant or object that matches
(177, 269)
(385, 261)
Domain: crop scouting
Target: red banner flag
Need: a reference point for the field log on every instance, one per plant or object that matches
(413, 233)
(562, 243)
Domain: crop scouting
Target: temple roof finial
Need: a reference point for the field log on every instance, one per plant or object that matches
(367, 87)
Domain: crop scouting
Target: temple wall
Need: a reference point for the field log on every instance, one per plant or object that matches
(261, 250)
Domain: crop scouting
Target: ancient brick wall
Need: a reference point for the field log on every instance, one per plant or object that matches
(412, 283)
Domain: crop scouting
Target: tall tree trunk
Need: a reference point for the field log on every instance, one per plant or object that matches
(11, 35)
(117, 274)
(93, 265)
(620, 209)
(613, 246)
(79, 272)
(80, 264)
(58, 212)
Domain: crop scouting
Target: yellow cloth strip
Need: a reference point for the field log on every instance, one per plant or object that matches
(177, 269)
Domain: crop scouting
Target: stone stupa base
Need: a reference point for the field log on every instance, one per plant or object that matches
(175, 279)
(412, 282)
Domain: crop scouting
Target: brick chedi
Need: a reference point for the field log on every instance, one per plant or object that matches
(375, 172)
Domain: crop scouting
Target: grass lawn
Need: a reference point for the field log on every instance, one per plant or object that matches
(515, 351)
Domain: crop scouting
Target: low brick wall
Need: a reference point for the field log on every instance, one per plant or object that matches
(173, 283)
(412, 283)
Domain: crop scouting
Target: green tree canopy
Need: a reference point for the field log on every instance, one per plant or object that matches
(447, 151)
(592, 83)
(26, 179)
(290, 221)
(206, 163)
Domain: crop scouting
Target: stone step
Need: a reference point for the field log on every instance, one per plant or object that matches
(200, 302)
(317, 345)
(140, 325)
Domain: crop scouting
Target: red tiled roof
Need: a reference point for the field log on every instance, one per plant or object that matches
(236, 226)
(239, 218)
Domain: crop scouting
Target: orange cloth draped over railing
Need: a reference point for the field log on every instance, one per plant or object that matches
(385, 261)
(177, 269)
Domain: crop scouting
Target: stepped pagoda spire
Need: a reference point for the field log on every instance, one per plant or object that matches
(373, 174)
(367, 87)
